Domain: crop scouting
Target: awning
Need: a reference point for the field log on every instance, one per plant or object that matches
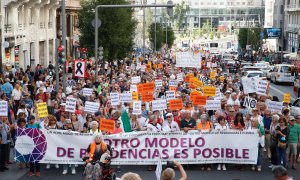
(290, 55)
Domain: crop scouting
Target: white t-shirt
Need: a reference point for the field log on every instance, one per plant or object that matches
(16, 94)
(23, 111)
(152, 128)
(173, 126)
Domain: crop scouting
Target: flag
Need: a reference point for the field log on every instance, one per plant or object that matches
(126, 122)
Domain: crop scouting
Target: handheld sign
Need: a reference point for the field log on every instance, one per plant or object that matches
(147, 97)
(107, 125)
(91, 107)
(70, 105)
(170, 95)
(126, 97)
(199, 100)
(135, 96)
(287, 98)
(87, 91)
(175, 104)
(115, 99)
(250, 102)
(213, 105)
(3, 108)
(159, 105)
(209, 91)
(42, 109)
(80, 68)
(137, 107)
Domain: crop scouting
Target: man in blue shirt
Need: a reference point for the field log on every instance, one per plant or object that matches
(7, 88)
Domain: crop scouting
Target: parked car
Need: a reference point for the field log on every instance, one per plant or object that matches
(253, 74)
(295, 108)
(282, 74)
(270, 72)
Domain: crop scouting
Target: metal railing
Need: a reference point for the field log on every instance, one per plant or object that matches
(8, 28)
(42, 25)
(50, 25)
(292, 7)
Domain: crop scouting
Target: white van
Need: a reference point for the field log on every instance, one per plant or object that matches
(282, 73)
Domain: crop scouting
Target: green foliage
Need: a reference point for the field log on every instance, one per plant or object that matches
(218, 35)
(211, 35)
(170, 36)
(252, 35)
(117, 30)
(206, 28)
(179, 12)
(159, 35)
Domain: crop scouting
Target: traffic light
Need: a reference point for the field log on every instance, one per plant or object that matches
(61, 54)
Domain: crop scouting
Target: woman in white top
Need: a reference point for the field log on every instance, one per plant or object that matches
(16, 97)
(170, 124)
(221, 126)
(153, 126)
(23, 109)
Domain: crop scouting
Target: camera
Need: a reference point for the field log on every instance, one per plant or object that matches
(170, 164)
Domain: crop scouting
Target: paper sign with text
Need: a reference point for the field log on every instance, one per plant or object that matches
(126, 97)
(136, 80)
(262, 87)
(115, 99)
(213, 105)
(159, 105)
(91, 107)
(287, 98)
(137, 107)
(70, 105)
(135, 96)
(107, 125)
(209, 91)
(170, 95)
(42, 109)
(175, 104)
(3, 108)
(148, 87)
(274, 106)
(199, 100)
(147, 97)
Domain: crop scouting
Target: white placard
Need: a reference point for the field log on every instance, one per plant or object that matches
(91, 107)
(262, 87)
(250, 84)
(179, 77)
(213, 65)
(136, 79)
(79, 68)
(250, 102)
(159, 105)
(3, 108)
(70, 104)
(137, 107)
(170, 95)
(126, 97)
(188, 59)
(115, 99)
(133, 88)
(218, 94)
(173, 83)
(158, 84)
(274, 106)
(87, 91)
(213, 105)
(203, 79)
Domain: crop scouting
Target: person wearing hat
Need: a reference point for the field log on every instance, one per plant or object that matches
(170, 124)
(293, 140)
(27, 100)
(118, 129)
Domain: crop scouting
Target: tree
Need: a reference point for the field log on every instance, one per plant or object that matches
(117, 30)
(180, 10)
(170, 36)
(218, 34)
(211, 35)
(206, 28)
(252, 35)
(159, 35)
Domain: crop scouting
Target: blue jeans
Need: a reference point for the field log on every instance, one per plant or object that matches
(281, 156)
(259, 155)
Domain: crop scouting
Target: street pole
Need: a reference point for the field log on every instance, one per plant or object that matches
(96, 45)
(282, 37)
(155, 28)
(144, 21)
(56, 65)
(64, 34)
(167, 31)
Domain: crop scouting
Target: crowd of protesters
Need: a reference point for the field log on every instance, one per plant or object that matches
(279, 132)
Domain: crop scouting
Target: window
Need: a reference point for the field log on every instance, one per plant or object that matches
(237, 3)
(243, 3)
(222, 3)
(281, 9)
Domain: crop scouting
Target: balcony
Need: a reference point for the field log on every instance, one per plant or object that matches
(50, 25)
(42, 26)
(8, 28)
(292, 7)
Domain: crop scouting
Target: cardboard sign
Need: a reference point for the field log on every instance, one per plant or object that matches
(170, 95)
(209, 91)
(222, 78)
(173, 83)
(173, 88)
(158, 84)
(87, 91)
(250, 102)
(218, 94)
(80, 68)
(175, 104)
(148, 87)
(159, 66)
(70, 105)
(133, 88)
(136, 80)
(4, 108)
(91, 107)
(274, 106)
(199, 100)
(287, 98)
(137, 107)
(193, 94)
(213, 75)
(179, 77)
(147, 97)
(213, 105)
(197, 83)
(115, 99)
(158, 105)
(262, 87)
(135, 96)
(42, 109)
(250, 84)
(107, 125)
(140, 88)
(126, 97)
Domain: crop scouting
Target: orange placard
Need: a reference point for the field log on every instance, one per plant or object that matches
(193, 94)
(187, 77)
(209, 91)
(107, 125)
(197, 83)
(159, 66)
(172, 88)
(148, 87)
(147, 97)
(213, 74)
(135, 96)
(175, 104)
(199, 100)
(222, 78)
(140, 88)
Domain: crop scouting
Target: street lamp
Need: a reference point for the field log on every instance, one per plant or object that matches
(169, 5)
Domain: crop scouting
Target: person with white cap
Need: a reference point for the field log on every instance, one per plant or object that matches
(170, 124)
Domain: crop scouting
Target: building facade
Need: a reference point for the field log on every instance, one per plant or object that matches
(29, 32)
(292, 25)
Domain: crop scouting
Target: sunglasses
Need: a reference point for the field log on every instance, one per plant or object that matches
(282, 122)
(231, 111)
(169, 117)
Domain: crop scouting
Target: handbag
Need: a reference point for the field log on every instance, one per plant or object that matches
(272, 142)
(281, 144)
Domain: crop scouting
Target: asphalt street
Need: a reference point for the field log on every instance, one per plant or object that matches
(279, 90)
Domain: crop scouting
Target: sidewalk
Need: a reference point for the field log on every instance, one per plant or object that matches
(14, 172)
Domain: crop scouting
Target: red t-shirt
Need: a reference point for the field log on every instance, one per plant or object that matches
(42, 96)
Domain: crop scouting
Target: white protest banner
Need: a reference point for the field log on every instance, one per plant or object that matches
(136, 80)
(274, 106)
(173, 83)
(170, 95)
(70, 104)
(133, 88)
(79, 68)
(158, 84)
(126, 97)
(159, 105)
(250, 84)
(115, 99)
(179, 77)
(188, 59)
(218, 94)
(262, 87)
(140, 148)
(250, 102)
(137, 107)
(213, 105)
(3, 108)
(87, 91)
(91, 107)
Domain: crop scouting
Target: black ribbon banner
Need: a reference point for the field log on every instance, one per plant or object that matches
(78, 70)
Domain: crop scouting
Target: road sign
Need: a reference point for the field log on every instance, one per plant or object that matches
(94, 23)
